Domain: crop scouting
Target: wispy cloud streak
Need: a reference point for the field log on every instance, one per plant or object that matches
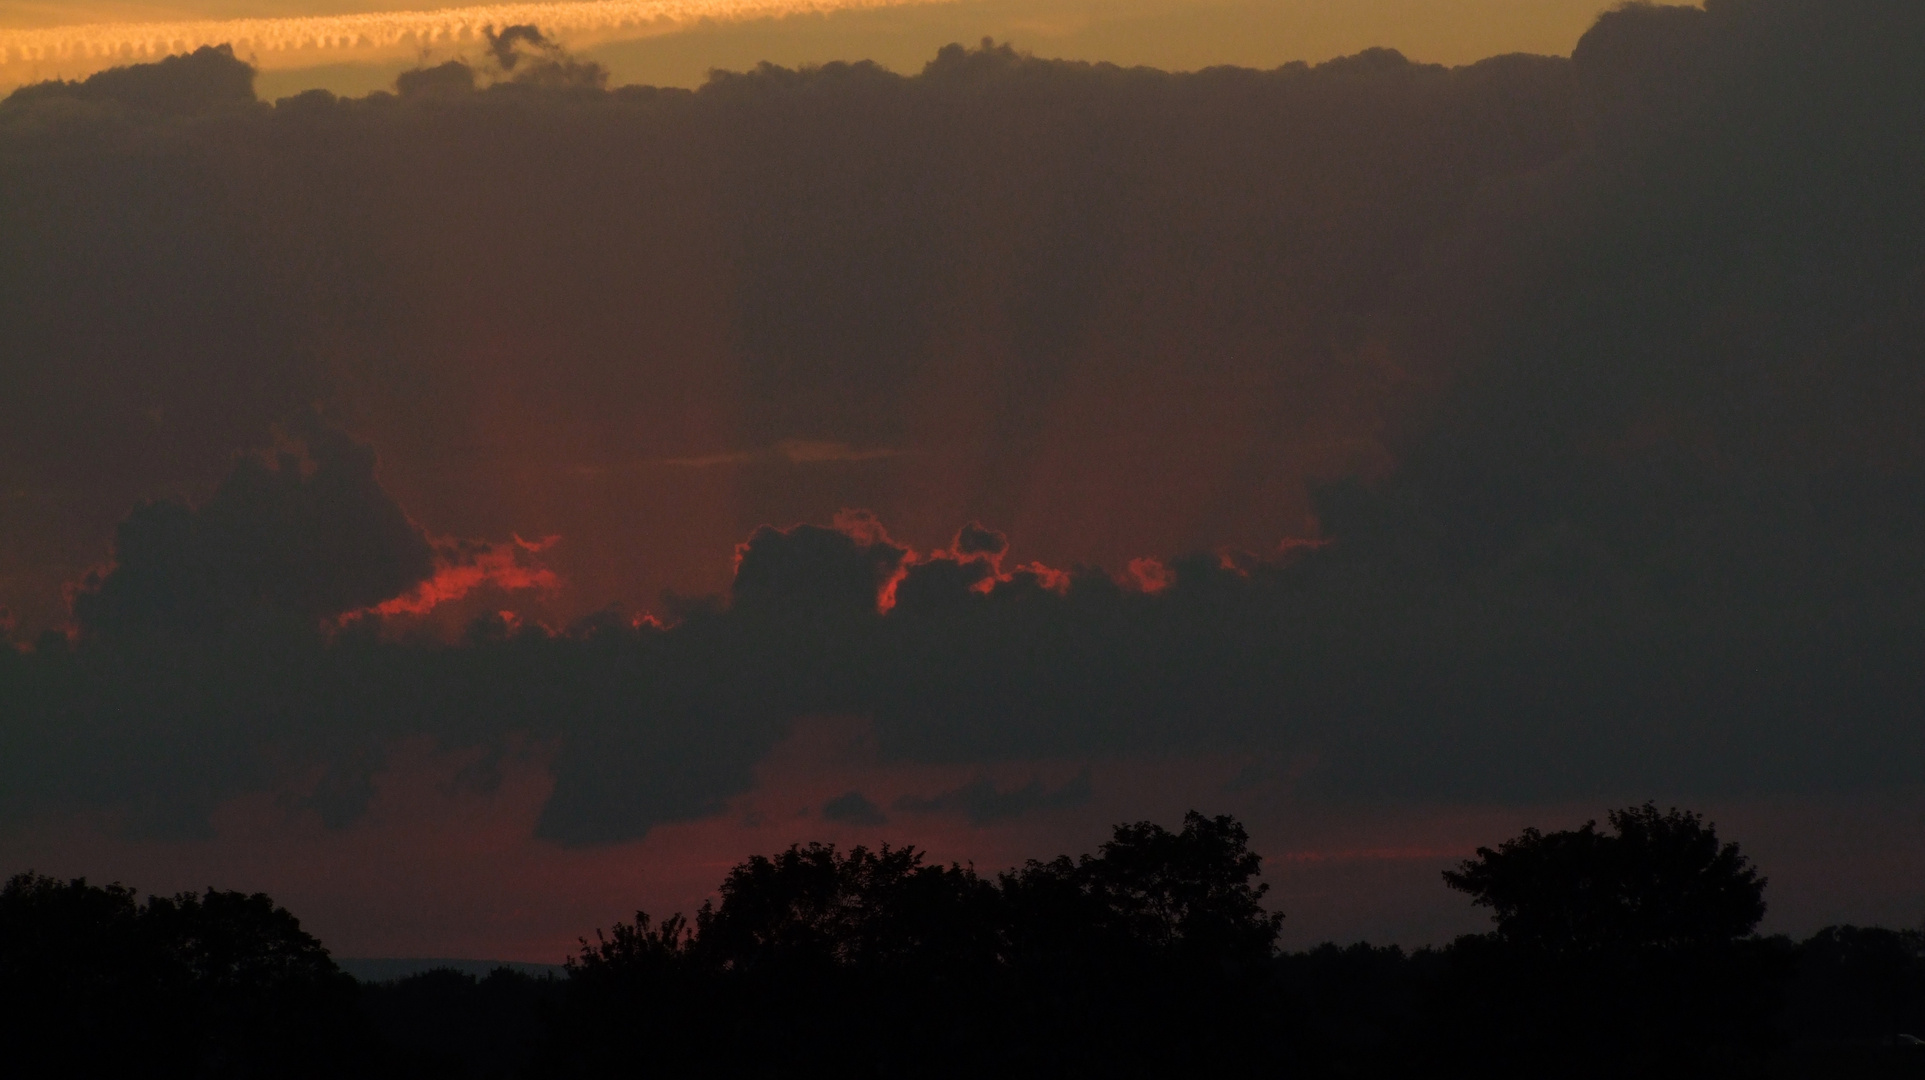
(297, 39)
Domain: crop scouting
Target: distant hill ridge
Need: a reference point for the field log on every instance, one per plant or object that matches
(389, 968)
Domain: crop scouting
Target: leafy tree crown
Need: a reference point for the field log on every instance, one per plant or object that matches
(1657, 880)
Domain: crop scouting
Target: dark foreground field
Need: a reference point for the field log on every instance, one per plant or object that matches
(1623, 950)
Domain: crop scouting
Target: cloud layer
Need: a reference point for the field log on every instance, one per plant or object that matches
(1538, 431)
(1116, 312)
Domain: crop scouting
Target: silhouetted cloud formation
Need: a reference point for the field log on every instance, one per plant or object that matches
(810, 570)
(276, 538)
(982, 802)
(207, 79)
(1025, 280)
(855, 808)
(1600, 379)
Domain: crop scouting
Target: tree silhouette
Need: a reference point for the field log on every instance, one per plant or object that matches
(214, 984)
(1148, 957)
(1662, 881)
(1617, 951)
(1863, 984)
(1189, 891)
(1627, 950)
(815, 905)
(636, 950)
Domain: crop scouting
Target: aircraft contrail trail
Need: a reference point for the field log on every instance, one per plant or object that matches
(104, 43)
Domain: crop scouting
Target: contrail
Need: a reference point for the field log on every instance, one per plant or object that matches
(294, 41)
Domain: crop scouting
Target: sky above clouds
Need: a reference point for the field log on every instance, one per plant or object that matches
(676, 42)
(473, 511)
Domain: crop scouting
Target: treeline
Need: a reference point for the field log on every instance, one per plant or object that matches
(218, 984)
(1625, 950)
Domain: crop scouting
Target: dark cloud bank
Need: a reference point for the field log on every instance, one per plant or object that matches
(1637, 335)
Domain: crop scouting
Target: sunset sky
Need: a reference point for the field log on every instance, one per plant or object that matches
(676, 42)
(507, 489)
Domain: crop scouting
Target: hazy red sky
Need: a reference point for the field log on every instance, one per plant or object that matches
(1606, 396)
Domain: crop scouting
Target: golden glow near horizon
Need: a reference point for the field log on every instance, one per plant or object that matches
(341, 45)
(294, 41)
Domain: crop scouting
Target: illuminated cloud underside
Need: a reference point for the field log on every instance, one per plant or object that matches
(366, 36)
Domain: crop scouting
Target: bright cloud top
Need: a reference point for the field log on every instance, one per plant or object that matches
(289, 42)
